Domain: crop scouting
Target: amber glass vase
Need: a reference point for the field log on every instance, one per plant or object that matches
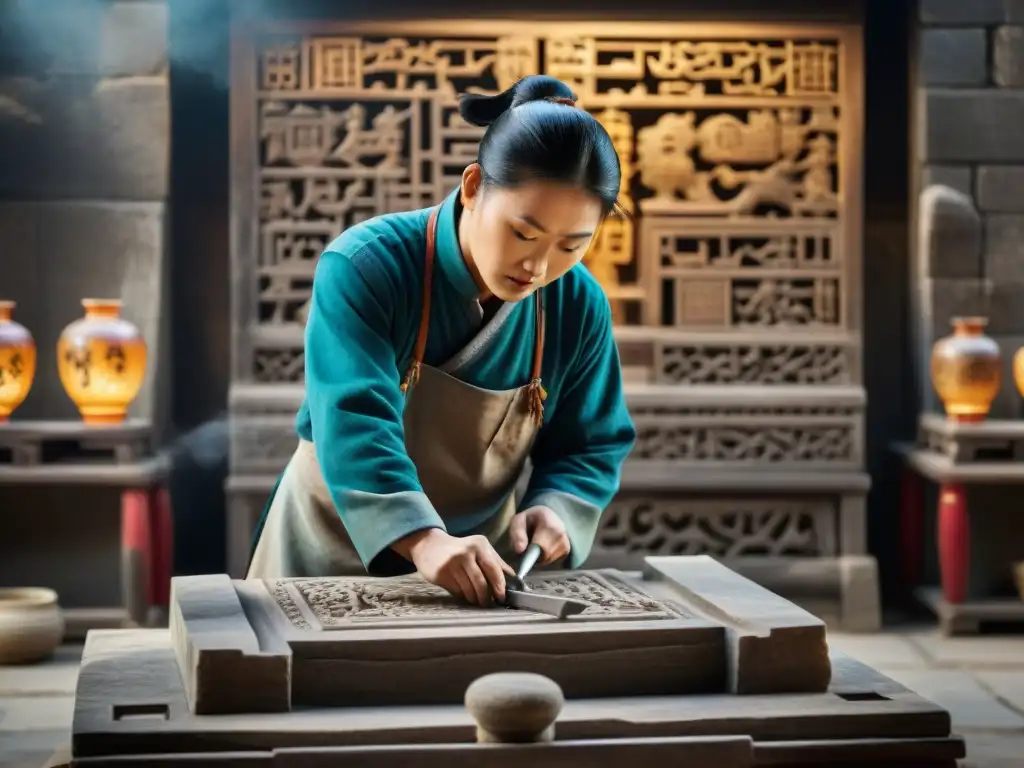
(967, 370)
(102, 362)
(17, 361)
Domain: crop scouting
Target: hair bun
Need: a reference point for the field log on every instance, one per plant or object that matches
(483, 110)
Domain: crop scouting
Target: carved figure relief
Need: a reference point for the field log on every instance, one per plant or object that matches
(358, 600)
(729, 149)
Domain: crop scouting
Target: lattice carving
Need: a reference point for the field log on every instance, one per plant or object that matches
(665, 440)
(357, 600)
(730, 153)
(721, 528)
(262, 444)
(754, 364)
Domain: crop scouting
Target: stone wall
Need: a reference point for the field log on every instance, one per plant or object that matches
(969, 147)
(84, 177)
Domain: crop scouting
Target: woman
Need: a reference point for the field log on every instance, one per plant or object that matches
(446, 346)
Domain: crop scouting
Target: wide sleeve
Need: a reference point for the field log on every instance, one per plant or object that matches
(356, 405)
(577, 460)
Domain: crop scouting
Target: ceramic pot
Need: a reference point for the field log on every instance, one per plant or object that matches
(101, 359)
(17, 361)
(967, 369)
(31, 624)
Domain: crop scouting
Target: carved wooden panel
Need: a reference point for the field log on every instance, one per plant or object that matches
(347, 602)
(739, 147)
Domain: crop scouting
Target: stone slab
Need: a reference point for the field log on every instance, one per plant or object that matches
(1008, 56)
(133, 674)
(79, 137)
(964, 125)
(960, 13)
(1000, 188)
(773, 645)
(690, 626)
(67, 251)
(969, 704)
(958, 177)
(954, 56)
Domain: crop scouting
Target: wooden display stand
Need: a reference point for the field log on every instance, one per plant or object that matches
(686, 662)
(954, 455)
(73, 453)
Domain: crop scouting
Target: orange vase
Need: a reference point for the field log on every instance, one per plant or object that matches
(967, 370)
(17, 361)
(1018, 379)
(101, 359)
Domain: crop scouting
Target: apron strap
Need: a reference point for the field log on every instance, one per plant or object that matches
(537, 394)
(413, 374)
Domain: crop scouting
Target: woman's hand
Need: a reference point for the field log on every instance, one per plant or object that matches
(467, 567)
(542, 527)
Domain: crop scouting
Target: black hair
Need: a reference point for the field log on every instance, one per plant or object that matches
(535, 132)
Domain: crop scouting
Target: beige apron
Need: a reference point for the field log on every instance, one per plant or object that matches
(469, 445)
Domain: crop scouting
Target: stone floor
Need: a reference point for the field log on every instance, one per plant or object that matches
(980, 680)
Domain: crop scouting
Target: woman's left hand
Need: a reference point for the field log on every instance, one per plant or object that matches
(542, 527)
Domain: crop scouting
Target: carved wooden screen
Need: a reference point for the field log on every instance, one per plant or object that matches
(739, 145)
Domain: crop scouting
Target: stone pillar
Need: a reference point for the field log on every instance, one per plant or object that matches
(969, 254)
(84, 177)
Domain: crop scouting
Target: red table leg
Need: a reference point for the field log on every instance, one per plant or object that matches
(136, 557)
(162, 549)
(954, 542)
(911, 528)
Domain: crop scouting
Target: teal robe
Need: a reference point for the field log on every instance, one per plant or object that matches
(360, 335)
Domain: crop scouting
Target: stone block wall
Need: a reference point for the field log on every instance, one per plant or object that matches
(969, 163)
(84, 177)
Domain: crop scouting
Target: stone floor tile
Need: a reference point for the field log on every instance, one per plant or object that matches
(57, 675)
(969, 704)
(994, 750)
(30, 749)
(36, 713)
(1008, 685)
(879, 651)
(980, 651)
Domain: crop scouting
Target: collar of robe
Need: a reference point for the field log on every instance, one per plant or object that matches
(448, 255)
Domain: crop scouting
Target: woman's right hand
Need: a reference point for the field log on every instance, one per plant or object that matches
(468, 567)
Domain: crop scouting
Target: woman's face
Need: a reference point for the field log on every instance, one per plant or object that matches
(520, 239)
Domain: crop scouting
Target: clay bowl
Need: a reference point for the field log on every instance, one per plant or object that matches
(31, 624)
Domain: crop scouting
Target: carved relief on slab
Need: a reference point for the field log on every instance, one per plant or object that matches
(717, 133)
(349, 601)
(718, 527)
